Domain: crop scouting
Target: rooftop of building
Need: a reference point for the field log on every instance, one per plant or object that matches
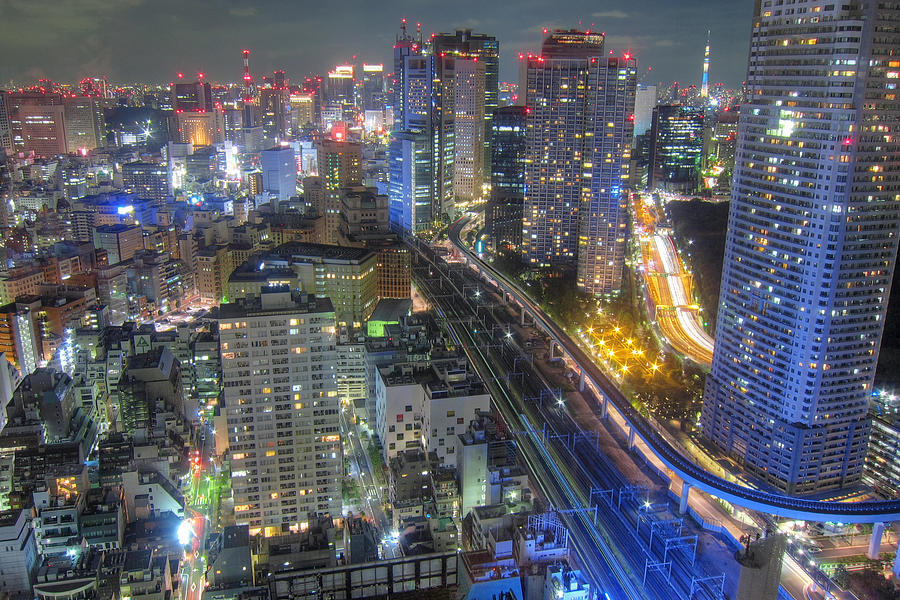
(566, 43)
(274, 301)
(563, 579)
(324, 252)
(137, 560)
(117, 228)
(140, 164)
(69, 566)
(250, 272)
(391, 309)
(8, 518)
(491, 511)
(155, 358)
(413, 459)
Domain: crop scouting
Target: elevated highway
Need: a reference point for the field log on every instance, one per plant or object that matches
(771, 502)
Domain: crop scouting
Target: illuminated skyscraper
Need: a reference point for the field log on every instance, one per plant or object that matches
(340, 87)
(443, 134)
(279, 172)
(644, 103)
(704, 80)
(484, 49)
(282, 409)
(85, 126)
(811, 244)
(340, 166)
(193, 97)
(5, 136)
(412, 186)
(503, 214)
(411, 181)
(197, 122)
(36, 122)
(147, 180)
(275, 110)
(676, 147)
(580, 104)
(374, 96)
(468, 162)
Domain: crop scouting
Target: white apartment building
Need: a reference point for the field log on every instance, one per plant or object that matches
(282, 408)
(426, 408)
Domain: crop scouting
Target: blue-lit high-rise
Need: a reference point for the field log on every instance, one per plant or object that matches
(412, 185)
(503, 213)
(580, 104)
(676, 148)
(811, 244)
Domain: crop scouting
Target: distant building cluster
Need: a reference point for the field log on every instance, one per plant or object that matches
(207, 313)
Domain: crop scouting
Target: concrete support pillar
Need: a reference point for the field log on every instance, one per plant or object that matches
(522, 322)
(552, 349)
(875, 541)
(604, 408)
(631, 438)
(581, 383)
(685, 495)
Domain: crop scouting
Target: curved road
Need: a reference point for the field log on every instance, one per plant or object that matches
(783, 505)
(678, 318)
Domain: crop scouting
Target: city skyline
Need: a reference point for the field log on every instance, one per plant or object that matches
(482, 313)
(69, 42)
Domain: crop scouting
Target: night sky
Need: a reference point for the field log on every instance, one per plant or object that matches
(151, 40)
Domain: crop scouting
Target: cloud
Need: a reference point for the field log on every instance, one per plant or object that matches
(246, 11)
(610, 14)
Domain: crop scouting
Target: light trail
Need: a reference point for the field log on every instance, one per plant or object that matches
(677, 315)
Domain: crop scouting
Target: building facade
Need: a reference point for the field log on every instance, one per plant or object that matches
(676, 148)
(811, 245)
(503, 214)
(279, 173)
(282, 409)
(580, 104)
(468, 163)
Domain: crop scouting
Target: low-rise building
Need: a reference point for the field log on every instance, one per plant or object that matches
(409, 478)
(563, 583)
(882, 468)
(18, 553)
(146, 575)
(69, 576)
(487, 469)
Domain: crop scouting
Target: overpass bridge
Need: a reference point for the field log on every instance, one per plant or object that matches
(771, 502)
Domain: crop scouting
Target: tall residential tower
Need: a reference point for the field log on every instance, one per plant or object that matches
(485, 50)
(281, 404)
(811, 244)
(580, 105)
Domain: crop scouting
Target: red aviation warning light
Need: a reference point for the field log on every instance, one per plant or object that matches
(180, 75)
(248, 79)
